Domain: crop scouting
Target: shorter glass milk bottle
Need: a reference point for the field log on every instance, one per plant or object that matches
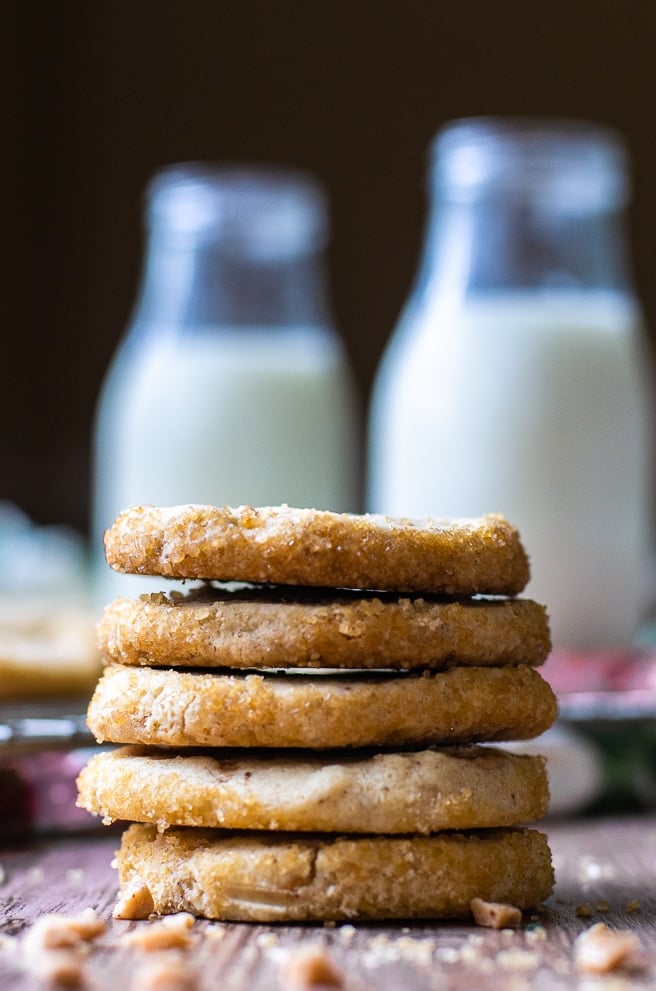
(514, 381)
(231, 386)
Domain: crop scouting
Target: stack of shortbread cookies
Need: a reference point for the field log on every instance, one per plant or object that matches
(306, 745)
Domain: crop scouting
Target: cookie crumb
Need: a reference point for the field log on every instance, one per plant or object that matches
(266, 941)
(633, 905)
(165, 975)
(599, 949)
(310, 967)
(495, 915)
(7, 942)
(135, 900)
(58, 932)
(448, 954)
(517, 959)
(53, 947)
(57, 968)
(583, 910)
(171, 932)
(75, 875)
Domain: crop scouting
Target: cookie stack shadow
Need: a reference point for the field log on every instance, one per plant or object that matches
(309, 746)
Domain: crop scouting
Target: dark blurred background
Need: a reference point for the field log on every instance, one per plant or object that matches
(98, 95)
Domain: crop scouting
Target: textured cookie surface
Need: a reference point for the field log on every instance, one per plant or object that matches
(413, 792)
(305, 628)
(189, 708)
(286, 877)
(281, 545)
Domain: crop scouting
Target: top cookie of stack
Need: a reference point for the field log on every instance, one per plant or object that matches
(280, 545)
(410, 638)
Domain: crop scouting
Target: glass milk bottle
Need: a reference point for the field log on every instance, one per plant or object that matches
(514, 381)
(231, 386)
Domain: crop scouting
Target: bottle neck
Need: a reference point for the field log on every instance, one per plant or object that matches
(505, 243)
(188, 286)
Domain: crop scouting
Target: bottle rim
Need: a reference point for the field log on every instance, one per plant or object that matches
(259, 208)
(580, 162)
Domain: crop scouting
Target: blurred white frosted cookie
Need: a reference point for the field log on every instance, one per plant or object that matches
(296, 627)
(207, 709)
(413, 792)
(289, 878)
(281, 545)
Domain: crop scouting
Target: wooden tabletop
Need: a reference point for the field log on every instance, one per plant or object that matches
(606, 872)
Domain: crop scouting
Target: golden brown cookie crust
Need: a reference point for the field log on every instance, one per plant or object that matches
(289, 878)
(281, 545)
(263, 629)
(189, 708)
(412, 792)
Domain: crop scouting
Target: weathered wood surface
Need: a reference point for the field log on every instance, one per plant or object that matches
(608, 865)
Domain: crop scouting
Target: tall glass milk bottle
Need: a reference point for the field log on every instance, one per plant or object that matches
(231, 386)
(514, 381)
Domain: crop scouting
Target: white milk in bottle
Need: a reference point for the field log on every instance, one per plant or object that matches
(514, 382)
(231, 386)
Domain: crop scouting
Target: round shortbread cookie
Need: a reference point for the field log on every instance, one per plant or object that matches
(305, 628)
(47, 649)
(188, 708)
(414, 792)
(291, 878)
(280, 545)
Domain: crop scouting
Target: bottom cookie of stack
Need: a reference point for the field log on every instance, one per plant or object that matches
(294, 878)
(331, 837)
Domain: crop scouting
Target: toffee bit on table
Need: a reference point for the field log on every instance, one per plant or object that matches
(171, 932)
(56, 931)
(53, 948)
(599, 949)
(165, 974)
(75, 875)
(57, 968)
(310, 967)
(495, 915)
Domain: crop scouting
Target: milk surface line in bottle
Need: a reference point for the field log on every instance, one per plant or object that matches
(231, 385)
(515, 381)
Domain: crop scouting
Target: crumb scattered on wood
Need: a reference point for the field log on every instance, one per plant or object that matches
(495, 915)
(600, 949)
(56, 931)
(165, 974)
(75, 875)
(54, 947)
(168, 933)
(135, 900)
(58, 968)
(310, 967)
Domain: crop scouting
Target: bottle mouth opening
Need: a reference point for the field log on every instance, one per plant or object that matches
(252, 209)
(582, 164)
